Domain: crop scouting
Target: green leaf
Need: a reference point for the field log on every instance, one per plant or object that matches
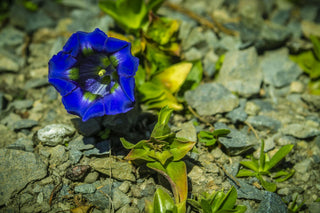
(180, 147)
(219, 62)
(160, 156)
(316, 46)
(162, 128)
(251, 165)
(195, 204)
(206, 207)
(240, 209)
(220, 132)
(162, 30)
(262, 157)
(157, 60)
(126, 144)
(140, 76)
(217, 202)
(150, 91)
(154, 5)
(272, 187)
(282, 152)
(206, 138)
(283, 175)
(246, 173)
(162, 202)
(139, 154)
(230, 199)
(193, 79)
(173, 77)
(177, 171)
(130, 14)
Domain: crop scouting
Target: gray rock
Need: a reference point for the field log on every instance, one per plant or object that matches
(228, 43)
(9, 62)
(262, 122)
(18, 168)
(74, 156)
(2, 102)
(185, 29)
(58, 155)
(271, 36)
(252, 108)
(303, 166)
(238, 114)
(195, 37)
(211, 98)
(240, 72)
(145, 189)
(119, 199)
(188, 131)
(51, 93)
(23, 144)
(30, 21)
(35, 83)
(278, 70)
(118, 170)
(54, 134)
(88, 128)
(247, 191)
(272, 203)
(314, 207)
(99, 198)
(313, 101)
(24, 124)
(85, 189)
(235, 142)
(281, 16)
(128, 208)
(209, 63)
(7, 136)
(193, 54)
(21, 104)
(301, 130)
(11, 37)
(80, 143)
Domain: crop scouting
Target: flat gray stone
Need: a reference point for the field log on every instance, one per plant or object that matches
(240, 72)
(21, 104)
(54, 134)
(272, 203)
(211, 98)
(247, 191)
(313, 101)
(24, 124)
(18, 168)
(235, 142)
(238, 114)
(301, 131)
(187, 131)
(262, 122)
(119, 199)
(278, 70)
(85, 189)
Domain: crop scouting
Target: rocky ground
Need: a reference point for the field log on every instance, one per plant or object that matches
(50, 161)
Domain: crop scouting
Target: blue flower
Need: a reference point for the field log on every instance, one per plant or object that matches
(94, 74)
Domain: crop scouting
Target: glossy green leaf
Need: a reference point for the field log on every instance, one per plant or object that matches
(180, 147)
(162, 202)
(150, 91)
(262, 157)
(193, 79)
(220, 132)
(173, 77)
(161, 156)
(316, 46)
(162, 30)
(139, 154)
(271, 187)
(218, 201)
(162, 128)
(251, 165)
(126, 144)
(230, 199)
(246, 173)
(177, 171)
(282, 152)
(283, 175)
(130, 14)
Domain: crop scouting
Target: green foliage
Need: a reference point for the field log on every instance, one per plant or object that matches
(217, 202)
(163, 153)
(130, 14)
(309, 62)
(262, 166)
(210, 138)
(294, 207)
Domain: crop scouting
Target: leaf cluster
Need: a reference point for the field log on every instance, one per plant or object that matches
(217, 202)
(262, 166)
(163, 153)
(309, 61)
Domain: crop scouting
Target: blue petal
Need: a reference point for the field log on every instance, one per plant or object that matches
(75, 103)
(97, 40)
(127, 84)
(113, 45)
(63, 86)
(95, 110)
(117, 102)
(73, 44)
(127, 64)
(60, 64)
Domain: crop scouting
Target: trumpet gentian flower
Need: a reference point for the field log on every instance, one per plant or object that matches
(94, 74)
